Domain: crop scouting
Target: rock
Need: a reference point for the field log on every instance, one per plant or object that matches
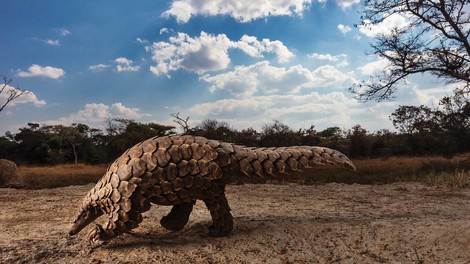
(8, 175)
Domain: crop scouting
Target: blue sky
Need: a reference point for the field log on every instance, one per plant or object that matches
(238, 61)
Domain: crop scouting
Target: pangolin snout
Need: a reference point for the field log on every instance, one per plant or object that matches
(73, 231)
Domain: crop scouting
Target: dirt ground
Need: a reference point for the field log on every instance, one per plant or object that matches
(289, 223)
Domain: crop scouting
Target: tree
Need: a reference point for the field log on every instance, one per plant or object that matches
(74, 135)
(454, 119)
(124, 133)
(214, 129)
(359, 142)
(8, 93)
(414, 119)
(247, 137)
(278, 134)
(434, 41)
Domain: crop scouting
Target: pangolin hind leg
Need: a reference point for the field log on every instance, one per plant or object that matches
(216, 202)
(178, 217)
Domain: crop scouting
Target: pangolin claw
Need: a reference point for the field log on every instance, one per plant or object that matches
(95, 235)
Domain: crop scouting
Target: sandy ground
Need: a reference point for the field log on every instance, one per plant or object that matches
(332, 223)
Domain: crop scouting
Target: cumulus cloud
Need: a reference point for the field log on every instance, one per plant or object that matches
(30, 97)
(264, 78)
(39, 71)
(374, 67)
(209, 52)
(229, 108)
(241, 10)
(299, 111)
(344, 29)
(125, 65)
(96, 113)
(385, 27)
(253, 47)
(341, 59)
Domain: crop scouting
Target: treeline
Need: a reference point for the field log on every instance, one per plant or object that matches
(422, 131)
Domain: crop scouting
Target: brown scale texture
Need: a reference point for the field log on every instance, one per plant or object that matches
(178, 170)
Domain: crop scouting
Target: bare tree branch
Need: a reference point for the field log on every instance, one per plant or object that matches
(183, 122)
(435, 42)
(13, 93)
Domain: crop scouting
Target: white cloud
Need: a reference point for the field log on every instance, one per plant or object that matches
(96, 113)
(375, 67)
(241, 10)
(342, 59)
(141, 41)
(253, 47)
(165, 31)
(345, 4)
(344, 29)
(39, 71)
(264, 78)
(98, 67)
(327, 57)
(63, 31)
(52, 42)
(298, 111)
(230, 108)
(29, 97)
(209, 52)
(125, 65)
(385, 27)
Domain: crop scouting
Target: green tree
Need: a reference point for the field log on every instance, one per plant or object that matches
(360, 143)
(74, 135)
(126, 133)
(248, 137)
(277, 134)
(214, 129)
(414, 119)
(32, 145)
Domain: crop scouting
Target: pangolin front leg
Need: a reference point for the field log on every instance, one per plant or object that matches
(119, 222)
(216, 202)
(178, 217)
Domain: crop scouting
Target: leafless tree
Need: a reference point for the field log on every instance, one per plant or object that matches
(12, 93)
(435, 41)
(183, 122)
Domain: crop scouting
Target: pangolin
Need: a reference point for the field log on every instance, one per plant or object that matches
(177, 171)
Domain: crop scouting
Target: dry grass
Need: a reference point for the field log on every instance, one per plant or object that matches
(456, 180)
(454, 173)
(60, 175)
(432, 170)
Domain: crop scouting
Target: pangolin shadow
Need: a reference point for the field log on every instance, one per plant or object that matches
(196, 233)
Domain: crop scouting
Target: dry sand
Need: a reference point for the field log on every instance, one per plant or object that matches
(332, 223)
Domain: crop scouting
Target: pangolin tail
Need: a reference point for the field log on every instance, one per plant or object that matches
(258, 164)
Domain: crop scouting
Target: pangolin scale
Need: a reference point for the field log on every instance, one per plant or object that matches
(177, 171)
